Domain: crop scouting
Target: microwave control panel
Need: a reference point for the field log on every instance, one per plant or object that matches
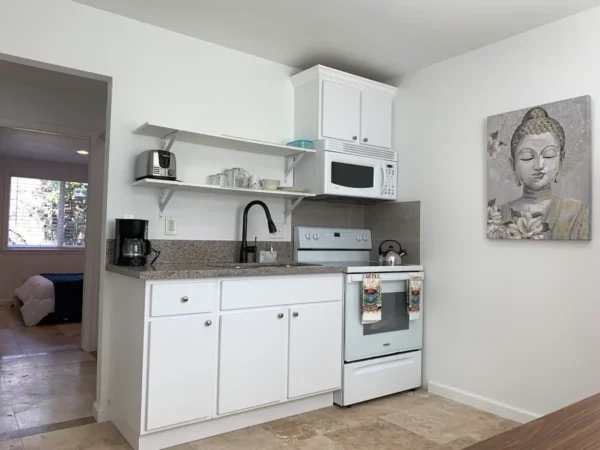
(389, 184)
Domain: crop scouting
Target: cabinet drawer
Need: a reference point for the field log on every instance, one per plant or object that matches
(261, 292)
(184, 298)
(377, 377)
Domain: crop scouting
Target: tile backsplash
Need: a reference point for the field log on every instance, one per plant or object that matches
(398, 221)
(328, 214)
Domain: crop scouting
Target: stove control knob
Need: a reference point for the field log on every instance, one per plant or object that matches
(316, 236)
(358, 237)
(365, 237)
(307, 235)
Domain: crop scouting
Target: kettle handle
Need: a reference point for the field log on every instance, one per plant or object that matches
(390, 240)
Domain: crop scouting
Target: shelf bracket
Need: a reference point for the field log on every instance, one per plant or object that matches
(165, 198)
(171, 140)
(291, 162)
(290, 205)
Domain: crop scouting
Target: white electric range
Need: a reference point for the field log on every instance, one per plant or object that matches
(381, 358)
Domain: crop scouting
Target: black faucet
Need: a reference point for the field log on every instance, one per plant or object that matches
(252, 248)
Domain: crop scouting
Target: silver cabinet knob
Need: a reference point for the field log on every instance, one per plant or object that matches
(280, 316)
(365, 140)
(354, 138)
(184, 299)
(296, 314)
(208, 323)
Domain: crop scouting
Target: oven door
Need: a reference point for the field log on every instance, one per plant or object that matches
(354, 176)
(394, 333)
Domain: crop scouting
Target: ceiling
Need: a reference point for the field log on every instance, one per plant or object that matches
(379, 39)
(42, 146)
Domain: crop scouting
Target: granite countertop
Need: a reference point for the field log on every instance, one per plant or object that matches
(216, 270)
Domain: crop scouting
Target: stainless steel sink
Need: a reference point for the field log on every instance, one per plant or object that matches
(259, 265)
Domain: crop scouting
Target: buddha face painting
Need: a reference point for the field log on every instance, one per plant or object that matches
(539, 174)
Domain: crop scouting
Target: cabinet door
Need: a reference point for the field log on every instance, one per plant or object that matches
(252, 359)
(376, 120)
(315, 360)
(341, 112)
(181, 370)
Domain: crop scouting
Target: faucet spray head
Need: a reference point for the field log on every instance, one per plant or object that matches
(272, 227)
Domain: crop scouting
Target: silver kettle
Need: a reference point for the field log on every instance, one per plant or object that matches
(389, 257)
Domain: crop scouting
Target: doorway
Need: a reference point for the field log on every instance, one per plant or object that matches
(52, 198)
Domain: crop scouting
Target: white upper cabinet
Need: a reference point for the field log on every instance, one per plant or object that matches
(375, 120)
(341, 112)
(337, 105)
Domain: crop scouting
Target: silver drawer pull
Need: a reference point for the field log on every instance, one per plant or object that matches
(280, 316)
(296, 314)
(208, 323)
(184, 299)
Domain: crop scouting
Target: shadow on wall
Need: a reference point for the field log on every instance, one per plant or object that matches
(399, 221)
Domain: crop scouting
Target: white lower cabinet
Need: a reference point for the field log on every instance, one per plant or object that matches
(181, 370)
(252, 359)
(315, 351)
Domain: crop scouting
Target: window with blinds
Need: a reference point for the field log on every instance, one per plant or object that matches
(46, 213)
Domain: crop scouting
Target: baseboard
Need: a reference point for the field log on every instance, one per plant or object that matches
(483, 403)
(101, 413)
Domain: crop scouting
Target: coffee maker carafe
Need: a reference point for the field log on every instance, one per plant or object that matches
(132, 246)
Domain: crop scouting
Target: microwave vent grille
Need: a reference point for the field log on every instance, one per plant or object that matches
(357, 150)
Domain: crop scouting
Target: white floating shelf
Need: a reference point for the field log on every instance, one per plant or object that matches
(221, 141)
(170, 187)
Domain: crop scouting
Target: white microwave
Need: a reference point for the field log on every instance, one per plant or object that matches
(340, 169)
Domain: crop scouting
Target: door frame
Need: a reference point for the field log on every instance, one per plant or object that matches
(90, 316)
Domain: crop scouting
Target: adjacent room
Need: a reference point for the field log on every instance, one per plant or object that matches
(232, 225)
(49, 125)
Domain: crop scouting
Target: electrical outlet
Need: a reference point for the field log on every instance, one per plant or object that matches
(171, 226)
(278, 235)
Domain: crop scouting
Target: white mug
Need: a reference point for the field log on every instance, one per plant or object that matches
(255, 182)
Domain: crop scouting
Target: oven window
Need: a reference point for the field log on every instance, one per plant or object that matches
(351, 175)
(394, 315)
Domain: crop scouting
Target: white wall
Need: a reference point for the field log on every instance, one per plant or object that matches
(515, 322)
(167, 78)
(18, 265)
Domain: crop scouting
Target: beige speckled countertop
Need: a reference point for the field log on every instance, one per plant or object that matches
(216, 270)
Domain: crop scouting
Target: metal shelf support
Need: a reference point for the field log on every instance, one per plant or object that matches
(165, 198)
(169, 140)
(290, 205)
(291, 162)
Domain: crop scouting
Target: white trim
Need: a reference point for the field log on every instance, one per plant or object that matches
(326, 73)
(101, 413)
(486, 404)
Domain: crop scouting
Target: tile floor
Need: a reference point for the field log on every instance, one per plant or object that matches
(408, 421)
(47, 384)
(45, 380)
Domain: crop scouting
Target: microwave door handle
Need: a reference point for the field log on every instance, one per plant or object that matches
(382, 179)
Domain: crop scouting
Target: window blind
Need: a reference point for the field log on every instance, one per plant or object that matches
(46, 213)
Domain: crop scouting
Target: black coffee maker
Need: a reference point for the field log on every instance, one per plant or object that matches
(132, 246)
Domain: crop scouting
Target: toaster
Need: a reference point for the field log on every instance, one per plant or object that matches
(158, 164)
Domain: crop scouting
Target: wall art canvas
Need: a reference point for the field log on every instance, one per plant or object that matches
(539, 172)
